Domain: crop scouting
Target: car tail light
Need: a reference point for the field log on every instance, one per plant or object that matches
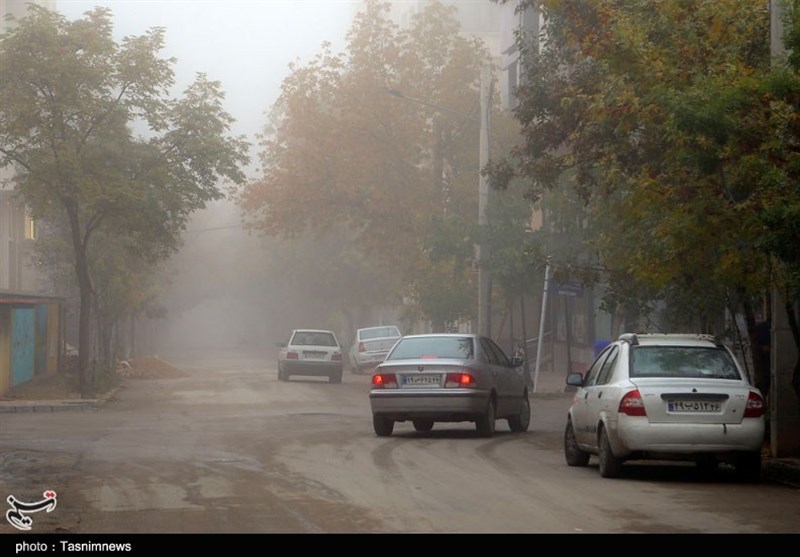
(755, 406)
(361, 347)
(462, 380)
(292, 356)
(384, 381)
(336, 356)
(632, 404)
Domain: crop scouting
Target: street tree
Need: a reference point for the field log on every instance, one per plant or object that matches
(381, 139)
(661, 112)
(71, 102)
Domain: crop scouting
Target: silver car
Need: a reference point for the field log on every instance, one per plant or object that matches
(665, 397)
(448, 378)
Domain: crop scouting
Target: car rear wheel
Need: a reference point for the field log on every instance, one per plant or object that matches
(485, 424)
(383, 426)
(521, 421)
(281, 374)
(610, 465)
(335, 378)
(574, 455)
(748, 467)
(423, 426)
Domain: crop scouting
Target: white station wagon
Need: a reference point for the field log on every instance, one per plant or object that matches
(665, 397)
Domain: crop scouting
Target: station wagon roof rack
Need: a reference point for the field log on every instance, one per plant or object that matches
(630, 338)
(634, 338)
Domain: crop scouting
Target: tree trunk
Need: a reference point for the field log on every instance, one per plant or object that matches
(794, 326)
(86, 381)
(759, 372)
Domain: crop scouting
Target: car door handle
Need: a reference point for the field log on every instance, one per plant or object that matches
(586, 395)
(600, 394)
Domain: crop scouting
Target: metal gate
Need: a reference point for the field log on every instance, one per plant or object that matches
(23, 322)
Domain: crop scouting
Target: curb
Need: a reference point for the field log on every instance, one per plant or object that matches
(48, 406)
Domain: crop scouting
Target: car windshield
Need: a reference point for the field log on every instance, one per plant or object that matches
(313, 338)
(379, 332)
(682, 361)
(433, 347)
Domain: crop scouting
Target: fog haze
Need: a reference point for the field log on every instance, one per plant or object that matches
(221, 290)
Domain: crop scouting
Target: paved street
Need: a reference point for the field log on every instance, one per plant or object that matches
(229, 448)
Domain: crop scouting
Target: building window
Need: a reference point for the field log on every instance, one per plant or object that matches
(30, 228)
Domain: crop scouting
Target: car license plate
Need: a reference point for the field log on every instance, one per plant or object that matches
(694, 406)
(313, 355)
(421, 380)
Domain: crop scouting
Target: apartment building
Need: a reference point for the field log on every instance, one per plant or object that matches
(17, 229)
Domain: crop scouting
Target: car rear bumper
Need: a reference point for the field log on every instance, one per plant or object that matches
(639, 435)
(453, 405)
(306, 367)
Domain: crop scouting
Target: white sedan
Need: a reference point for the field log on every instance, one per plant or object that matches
(665, 397)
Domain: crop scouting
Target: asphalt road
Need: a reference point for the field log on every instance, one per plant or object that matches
(231, 449)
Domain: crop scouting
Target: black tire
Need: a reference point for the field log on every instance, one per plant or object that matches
(521, 422)
(335, 378)
(610, 465)
(573, 454)
(423, 426)
(383, 426)
(748, 467)
(485, 424)
(281, 374)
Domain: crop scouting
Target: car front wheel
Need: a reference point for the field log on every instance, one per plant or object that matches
(521, 421)
(383, 426)
(423, 426)
(574, 455)
(610, 465)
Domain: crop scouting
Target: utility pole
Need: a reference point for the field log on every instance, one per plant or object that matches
(482, 250)
(540, 341)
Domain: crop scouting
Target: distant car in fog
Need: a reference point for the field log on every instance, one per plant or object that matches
(313, 352)
(371, 345)
(448, 378)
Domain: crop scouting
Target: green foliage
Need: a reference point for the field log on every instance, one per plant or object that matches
(95, 139)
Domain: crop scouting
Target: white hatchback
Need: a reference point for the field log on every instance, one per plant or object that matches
(665, 397)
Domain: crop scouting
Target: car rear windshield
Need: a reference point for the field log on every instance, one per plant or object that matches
(433, 347)
(682, 361)
(379, 332)
(309, 338)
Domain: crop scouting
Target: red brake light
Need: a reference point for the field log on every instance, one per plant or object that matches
(632, 404)
(384, 381)
(336, 357)
(292, 356)
(462, 380)
(361, 347)
(755, 406)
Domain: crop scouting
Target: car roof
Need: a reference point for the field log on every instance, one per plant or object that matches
(451, 335)
(671, 339)
(312, 331)
(378, 327)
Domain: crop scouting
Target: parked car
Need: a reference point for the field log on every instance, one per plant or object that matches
(371, 345)
(312, 352)
(448, 378)
(665, 397)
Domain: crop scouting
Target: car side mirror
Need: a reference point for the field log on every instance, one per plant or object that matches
(517, 361)
(575, 380)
